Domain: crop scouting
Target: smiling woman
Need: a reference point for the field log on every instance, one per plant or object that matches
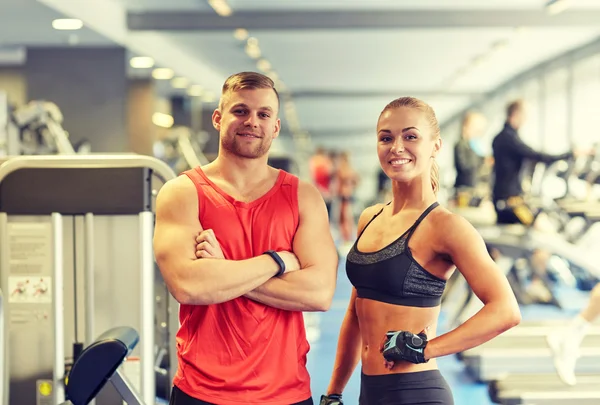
(411, 141)
(404, 253)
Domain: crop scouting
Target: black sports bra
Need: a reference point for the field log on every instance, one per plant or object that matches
(391, 274)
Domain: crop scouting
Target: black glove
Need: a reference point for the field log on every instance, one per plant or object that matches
(333, 399)
(402, 345)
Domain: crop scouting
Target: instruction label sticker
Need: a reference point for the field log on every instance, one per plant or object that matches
(30, 248)
(29, 290)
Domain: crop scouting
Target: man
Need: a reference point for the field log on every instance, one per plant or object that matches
(265, 255)
(509, 155)
(510, 152)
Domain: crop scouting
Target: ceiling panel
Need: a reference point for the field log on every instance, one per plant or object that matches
(373, 59)
(523, 52)
(219, 50)
(29, 23)
(397, 4)
(336, 116)
(172, 5)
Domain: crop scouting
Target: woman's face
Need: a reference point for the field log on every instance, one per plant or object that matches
(405, 144)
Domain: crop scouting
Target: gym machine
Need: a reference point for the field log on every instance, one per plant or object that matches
(75, 257)
(545, 389)
(99, 363)
(9, 133)
(181, 149)
(33, 129)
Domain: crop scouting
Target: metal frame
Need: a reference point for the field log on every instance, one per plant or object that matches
(148, 387)
(160, 168)
(126, 390)
(58, 370)
(3, 371)
(89, 278)
(146, 224)
(4, 365)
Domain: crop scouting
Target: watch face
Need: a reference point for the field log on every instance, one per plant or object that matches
(417, 341)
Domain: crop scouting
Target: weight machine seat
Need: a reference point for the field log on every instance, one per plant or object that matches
(98, 362)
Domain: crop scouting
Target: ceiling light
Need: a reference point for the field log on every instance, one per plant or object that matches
(67, 24)
(162, 120)
(253, 51)
(141, 62)
(163, 74)
(263, 65)
(180, 83)
(241, 34)
(554, 7)
(252, 41)
(195, 91)
(221, 7)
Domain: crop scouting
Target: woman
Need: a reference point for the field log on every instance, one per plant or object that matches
(399, 264)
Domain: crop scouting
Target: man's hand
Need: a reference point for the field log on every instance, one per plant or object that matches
(208, 246)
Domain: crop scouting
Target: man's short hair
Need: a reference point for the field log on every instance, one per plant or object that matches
(247, 80)
(513, 107)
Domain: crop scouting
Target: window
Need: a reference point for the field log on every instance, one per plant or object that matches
(555, 136)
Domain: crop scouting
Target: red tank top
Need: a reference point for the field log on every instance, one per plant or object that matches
(241, 351)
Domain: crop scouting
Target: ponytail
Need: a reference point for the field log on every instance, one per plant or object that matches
(435, 176)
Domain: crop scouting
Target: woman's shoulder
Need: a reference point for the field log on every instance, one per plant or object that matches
(445, 223)
(368, 213)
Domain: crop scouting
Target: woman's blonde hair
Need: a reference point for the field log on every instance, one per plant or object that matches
(413, 102)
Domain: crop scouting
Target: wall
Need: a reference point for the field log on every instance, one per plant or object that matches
(90, 88)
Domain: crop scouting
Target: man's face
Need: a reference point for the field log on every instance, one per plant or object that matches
(519, 117)
(247, 122)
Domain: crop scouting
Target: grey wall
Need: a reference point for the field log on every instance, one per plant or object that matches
(140, 107)
(14, 83)
(90, 88)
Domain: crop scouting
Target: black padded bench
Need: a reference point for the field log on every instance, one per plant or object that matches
(99, 363)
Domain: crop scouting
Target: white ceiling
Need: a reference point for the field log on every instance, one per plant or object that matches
(395, 4)
(365, 68)
(29, 23)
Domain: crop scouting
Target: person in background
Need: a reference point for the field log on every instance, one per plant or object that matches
(468, 159)
(321, 170)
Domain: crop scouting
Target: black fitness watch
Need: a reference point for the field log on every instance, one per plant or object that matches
(278, 260)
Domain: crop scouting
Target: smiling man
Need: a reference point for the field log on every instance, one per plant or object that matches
(264, 255)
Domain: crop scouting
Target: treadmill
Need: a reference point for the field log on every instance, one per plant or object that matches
(524, 350)
(545, 389)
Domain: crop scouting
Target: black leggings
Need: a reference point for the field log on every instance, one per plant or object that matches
(179, 397)
(418, 388)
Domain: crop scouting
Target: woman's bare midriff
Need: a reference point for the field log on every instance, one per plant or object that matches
(377, 318)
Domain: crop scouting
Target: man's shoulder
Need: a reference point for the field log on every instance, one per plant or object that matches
(181, 187)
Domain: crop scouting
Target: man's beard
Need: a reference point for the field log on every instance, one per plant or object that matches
(234, 145)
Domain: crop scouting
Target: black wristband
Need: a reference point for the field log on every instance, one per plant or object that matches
(278, 260)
